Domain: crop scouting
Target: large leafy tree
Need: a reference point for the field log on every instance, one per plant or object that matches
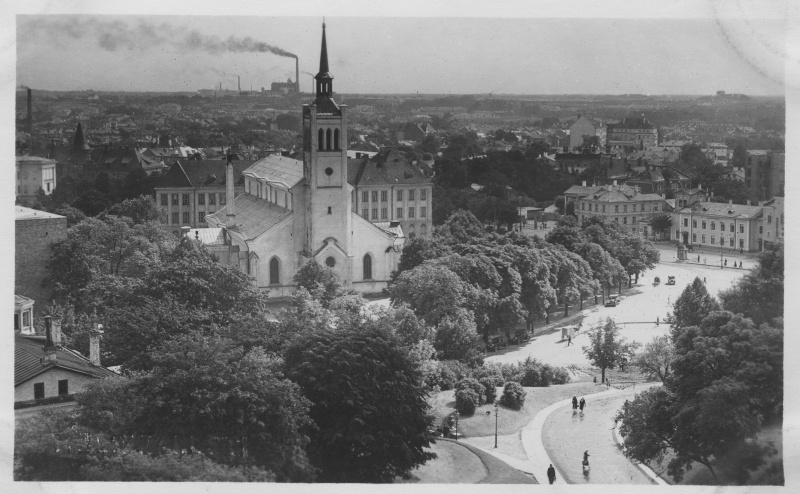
(759, 294)
(368, 403)
(432, 291)
(320, 281)
(693, 305)
(606, 348)
(655, 359)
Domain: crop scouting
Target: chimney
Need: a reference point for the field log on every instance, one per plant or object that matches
(730, 202)
(615, 183)
(230, 218)
(220, 86)
(94, 345)
(239, 82)
(749, 203)
(297, 75)
(30, 112)
(584, 183)
(52, 339)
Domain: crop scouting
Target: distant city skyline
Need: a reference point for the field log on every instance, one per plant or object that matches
(402, 55)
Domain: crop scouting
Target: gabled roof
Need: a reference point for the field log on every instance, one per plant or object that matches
(632, 123)
(277, 168)
(388, 167)
(201, 173)
(254, 216)
(581, 190)
(723, 209)
(28, 354)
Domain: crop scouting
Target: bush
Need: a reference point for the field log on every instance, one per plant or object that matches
(450, 372)
(489, 388)
(474, 385)
(467, 400)
(513, 396)
(530, 372)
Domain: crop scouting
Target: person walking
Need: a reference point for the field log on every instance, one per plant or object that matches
(569, 340)
(698, 258)
(582, 403)
(551, 474)
(726, 262)
(574, 402)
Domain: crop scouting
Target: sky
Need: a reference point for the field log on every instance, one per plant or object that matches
(455, 54)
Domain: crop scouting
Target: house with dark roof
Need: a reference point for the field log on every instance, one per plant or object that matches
(415, 132)
(192, 189)
(635, 132)
(48, 374)
(726, 226)
(622, 204)
(388, 188)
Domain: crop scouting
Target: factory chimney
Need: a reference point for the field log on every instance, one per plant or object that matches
(239, 79)
(297, 75)
(230, 218)
(220, 86)
(30, 112)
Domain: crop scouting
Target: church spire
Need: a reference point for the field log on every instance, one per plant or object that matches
(324, 78)
(79, 140)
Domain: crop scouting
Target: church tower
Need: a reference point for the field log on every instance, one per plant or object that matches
(327, 200)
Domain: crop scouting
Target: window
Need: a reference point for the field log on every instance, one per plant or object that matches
(374, 196)
(769, 218)
(694, 238)
(741, 243)
(604, 208)
(364, 196)
(423, 229)
(642, 210)
(625, 220)
(677, 234)
(330, 262)
(201, 199)
(321, 140)
(655, 208)
(704, 225)
(201, 217)
(186, 217)
(694, 223)
(174, 199)
(633, 220)
(38, 391)
(741, 228)
(616, 208)
(686, 222)
(365, 213)
(423, 212)
(26, 319)
(374, 213)
(185, 201)
(703, 238)
(165, 199)
(336, 139)
(712, 240)
(595, 208)
(731, 227)
(423, 195)
(212, 199)
(731, 242)
(175, 218)
(411, 195)
(411, 212)
(221, 199)
(63, 387)
(399, 213)
(384, 213)
(328, 139)
(367, 267)
(713, 225)
(760, 228)
(384, 196)
(399, 195)
(274, 271)
(625, 208)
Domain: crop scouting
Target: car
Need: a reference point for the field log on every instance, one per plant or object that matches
(520, 336)
(670, 280)
(496, 342)
(613, 301)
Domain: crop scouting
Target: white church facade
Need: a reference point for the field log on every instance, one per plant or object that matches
(292, 210)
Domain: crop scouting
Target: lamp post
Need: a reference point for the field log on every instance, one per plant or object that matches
(455, 414)
(496, 409)
(721, 245)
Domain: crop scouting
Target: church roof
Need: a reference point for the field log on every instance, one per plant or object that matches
(324, 71)
(388, 167)
(79, 140)
(254, 215)
(277, 168)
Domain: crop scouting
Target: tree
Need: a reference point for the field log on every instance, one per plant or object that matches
(661, 224)
(606, 349)
(140, 209)
(432, 291)
(320, 281)
(759, 294)
(369, 404)
(726, 189)
(655, 360)
(693, 305)
(456, 338)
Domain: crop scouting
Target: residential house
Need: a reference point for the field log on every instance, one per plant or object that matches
(414, 132)
(582, 127)
(727, 226)
(34, 232)
(685, 197)
(34, 174)
(619, 203)
(634, 132)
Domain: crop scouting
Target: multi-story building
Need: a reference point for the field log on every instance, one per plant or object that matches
(191, 190)
(634, 132)
(388, 189)
(34, 173)
(34, 231)
(764, 174)
(726, 226)
(771, 226)
(686, 197)
(582, 127)
(620, 203)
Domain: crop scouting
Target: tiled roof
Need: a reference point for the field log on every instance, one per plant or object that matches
(723, 209)
(201, 173)
(254, 216)
(392, 227)
(581, 190)
(277, 168)
(388, 167)
(28, 353)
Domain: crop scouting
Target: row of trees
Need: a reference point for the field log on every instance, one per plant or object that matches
(722, 370)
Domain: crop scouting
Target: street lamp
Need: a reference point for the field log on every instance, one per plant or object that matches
(721, 245)
(496, 409)
(455, 414)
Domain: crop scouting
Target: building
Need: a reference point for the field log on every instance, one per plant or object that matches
(47, 374)
(582, 127)
(287, 87)
(685, 197)
(772, 225)
(34, 174)
(295, 210)
(634, 132)
(619, 203)
(414, 132)
(388, 189)
(727, 226)
(34, 231)
(764, 174)
(191, 190)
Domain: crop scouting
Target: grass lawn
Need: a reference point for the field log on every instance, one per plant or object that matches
(454, 464)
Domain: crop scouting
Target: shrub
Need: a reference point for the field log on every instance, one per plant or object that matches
(474, 385)
(467, 400)
(513, 396)
(450, 372)
(533, 373)
(489, 388)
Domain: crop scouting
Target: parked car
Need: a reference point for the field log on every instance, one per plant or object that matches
(613, 301)
(670, 280)
(496, 342)
(520, 336)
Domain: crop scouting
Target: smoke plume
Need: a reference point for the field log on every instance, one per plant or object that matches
(116, 35)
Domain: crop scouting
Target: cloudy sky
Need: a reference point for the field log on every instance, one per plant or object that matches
(468, 51)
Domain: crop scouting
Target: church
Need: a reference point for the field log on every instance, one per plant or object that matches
(292, 211)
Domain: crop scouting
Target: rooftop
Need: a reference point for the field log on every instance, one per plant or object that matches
(723, 209)
(277, 168)
(387, 167)
(23, 213)
(254, 216)
(28, 354)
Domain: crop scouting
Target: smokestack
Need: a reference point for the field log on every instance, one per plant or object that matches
(312, 86)
(30, 112)
(94, 345)
(220, 86)
(239, 83)
(230, 217)
(297, 75)
(52, 338)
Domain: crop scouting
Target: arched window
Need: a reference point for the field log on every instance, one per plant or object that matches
(274, 271)
(367, 267)
(423, 230)
(328, 139)
(336, 139)
(321, 140)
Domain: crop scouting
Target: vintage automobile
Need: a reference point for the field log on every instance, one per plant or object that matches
(496, 342)
(670, 280)
(520, 336)
(613, 301)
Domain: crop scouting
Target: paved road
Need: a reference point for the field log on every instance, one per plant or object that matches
(566, 435)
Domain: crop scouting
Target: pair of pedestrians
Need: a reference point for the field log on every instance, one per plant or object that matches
(575, 403)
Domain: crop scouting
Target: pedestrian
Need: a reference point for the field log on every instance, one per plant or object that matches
(582, 403)
(551, 474)
(657, 321)
(704, 280)
(569, 340)
(704, 260)
(574, 402)
(741, 250)
(726, 262)
(698, 258)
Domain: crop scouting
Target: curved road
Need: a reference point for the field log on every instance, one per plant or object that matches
(566, 435)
